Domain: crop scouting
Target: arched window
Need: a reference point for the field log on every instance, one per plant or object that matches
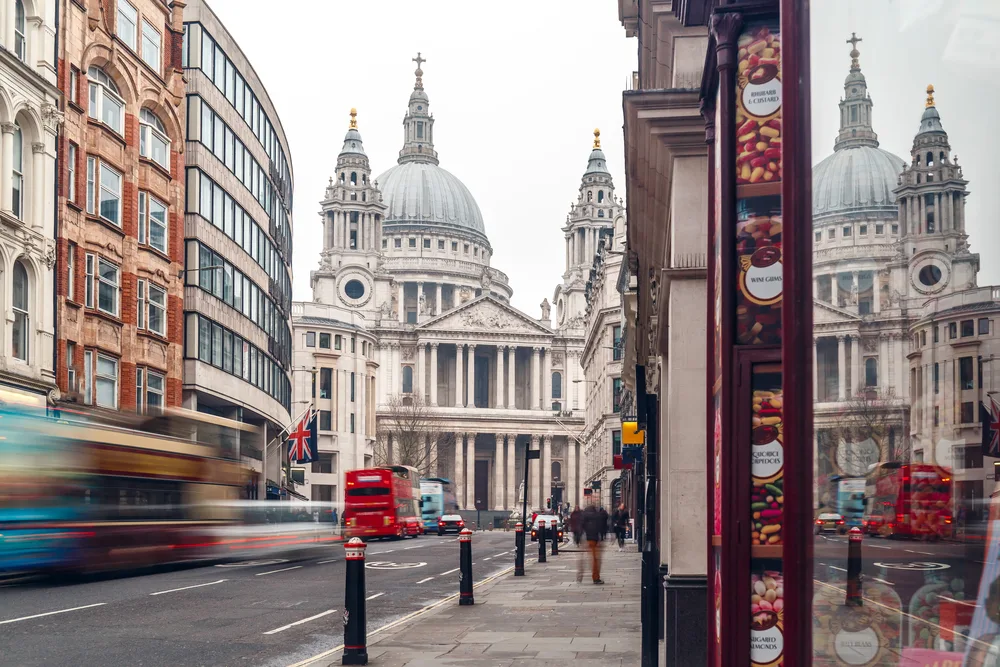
(106, 104)
(557, 385)
(354, 178)
(871, 372)
(556, 471)
(600, 196)
(20, 302)
(341, 178)
(364, 179)
(364, 196)
(153, 141)
(20, 42)
(407, 379)
(930, 159)
(590, 196)
(942, 157)
(600, 214)
(17, 175)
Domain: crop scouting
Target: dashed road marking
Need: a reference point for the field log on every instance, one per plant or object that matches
(284, 569)
(376, 595)
(174, 590)
(304, 620)
(51, 613)
(425, 580)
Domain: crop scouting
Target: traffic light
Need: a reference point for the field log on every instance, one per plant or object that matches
(548, 502)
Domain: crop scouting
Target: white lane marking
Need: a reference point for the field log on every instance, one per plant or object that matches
(284, 569)
(425, 580)
(448, 572)
(376, 595)
(879, 546)
(488, 558)
(324, 562)
(174, 590)
(416, 547)
(839, 569)
(304, 620)
(923, 553)
(883, 581)
(50, 613)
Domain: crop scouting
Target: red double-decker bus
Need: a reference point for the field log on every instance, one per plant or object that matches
(908, 500)
(382, 502)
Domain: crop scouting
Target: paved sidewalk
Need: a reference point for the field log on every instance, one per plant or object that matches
(544, 619)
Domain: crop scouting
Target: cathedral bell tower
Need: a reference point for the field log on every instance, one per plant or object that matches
(418, 124)
(931, 199)
(351, 212)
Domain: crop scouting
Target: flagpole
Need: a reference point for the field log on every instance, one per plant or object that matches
(280, 438)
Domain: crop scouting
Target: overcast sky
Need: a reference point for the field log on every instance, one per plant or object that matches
(516, 92)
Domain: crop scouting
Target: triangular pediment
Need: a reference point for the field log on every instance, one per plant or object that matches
(486, 314)
(825, 313)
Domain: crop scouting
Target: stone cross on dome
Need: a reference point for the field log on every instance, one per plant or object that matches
(853, 41)
(419, 72)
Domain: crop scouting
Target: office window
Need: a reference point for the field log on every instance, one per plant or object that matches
(616, 443)
(21, 326)
(937, 333)
(156, 303)
(310, 339)
(149, 388)
(923, 337)
(110, 195)
(106, 279)
(324, 341)
(352, 422)
(937, 378)
(152, 222)
(895, 229)
(326, 383)
(952, 331)
(968, 328)
(151, 45)
(427, 243)
(353, 344)
(413, 243)
(352, 387)
(153, 140)
(325, 420)
(71, 271)
(106, 383)
(937, 415)
(89, 280)
(71, 173)
(965, 373)
(616, 337)
(71, 365)
(20, 30)
(863, 230)
(106, 104)
(128, 19)
(337, 342)
(88, 377)
(616, 394)
(454, 246)
(847, 230)
(984, 326)
(969, 415)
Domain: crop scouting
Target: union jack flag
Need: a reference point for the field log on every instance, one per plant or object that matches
(302, 440)
(989, 416)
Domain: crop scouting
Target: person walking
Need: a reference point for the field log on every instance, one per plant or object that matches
(576, 525)
(621, 525)
(605, 522)
(592, 528)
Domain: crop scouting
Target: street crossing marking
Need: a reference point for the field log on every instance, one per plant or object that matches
(174, 590)
(51, 613)
(284, 569)
(304, 620)
(425, 580)
(376, 595)
(449, 572)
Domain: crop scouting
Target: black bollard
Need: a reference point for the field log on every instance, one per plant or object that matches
(355, 630)
(853, 598)
(555, 539)
(541, 541)
(465, 568)
(519, 550)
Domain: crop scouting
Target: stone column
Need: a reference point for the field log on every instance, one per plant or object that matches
(547, 380)
(938, 216)
(960, 204)
(459, 376)
(512, 482)
(437, 302)
(535, 390)
(923, 214)
(500, 403)
(901, 370)
(434, 374)
(858, 378)
(816, 371)
(546, 467)
(841, 370)
(460, 469)
(883, 361)
(471, 402)
(876, 293)
(7, 162)
(470, 471)
(421, 379)
(533, 484)
(402, 307)
(571, 484)
(511, 373)
(498, 469)
(38, 157)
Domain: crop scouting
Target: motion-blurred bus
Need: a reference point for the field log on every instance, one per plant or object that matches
(382, 502)
(907, 500)
(439, 499)
(85, 496)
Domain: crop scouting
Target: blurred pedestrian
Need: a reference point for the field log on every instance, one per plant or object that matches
(620, 521)
(576, 525)
(605, 520)
(593, 525)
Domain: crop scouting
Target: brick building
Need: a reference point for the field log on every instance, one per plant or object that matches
(120, 203)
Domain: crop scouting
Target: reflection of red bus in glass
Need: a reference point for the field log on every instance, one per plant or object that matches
(382, 502)
(907, 500)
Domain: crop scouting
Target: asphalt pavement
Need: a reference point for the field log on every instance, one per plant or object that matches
(262, 612)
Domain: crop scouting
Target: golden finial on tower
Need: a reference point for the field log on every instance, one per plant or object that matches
(354, 118)
(930, 96)
(597, 138)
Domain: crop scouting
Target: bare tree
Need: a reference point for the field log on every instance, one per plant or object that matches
(405, 428)
(874, 415)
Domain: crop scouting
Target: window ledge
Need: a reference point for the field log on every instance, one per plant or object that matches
(152, 335)
(100, 314)
(105, 223)
(154, 251)
(156, 166)
(69, 301)
(73, 105)
(106, 129)
(73, 205)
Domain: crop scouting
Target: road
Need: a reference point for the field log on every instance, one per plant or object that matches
(254, 613)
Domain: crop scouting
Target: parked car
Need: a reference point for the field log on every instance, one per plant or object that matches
(450, 522)
(829, 522)
(553, 527)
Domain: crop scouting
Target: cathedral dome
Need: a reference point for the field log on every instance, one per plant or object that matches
(422, 193)
(859, 179)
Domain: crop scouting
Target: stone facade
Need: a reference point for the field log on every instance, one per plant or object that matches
(29, 121)
(120, 238)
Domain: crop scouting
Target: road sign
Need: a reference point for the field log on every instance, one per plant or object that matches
(390, 565)
(920, 566)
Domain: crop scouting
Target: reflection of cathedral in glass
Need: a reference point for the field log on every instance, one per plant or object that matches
(406, 257)
(894, 287)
